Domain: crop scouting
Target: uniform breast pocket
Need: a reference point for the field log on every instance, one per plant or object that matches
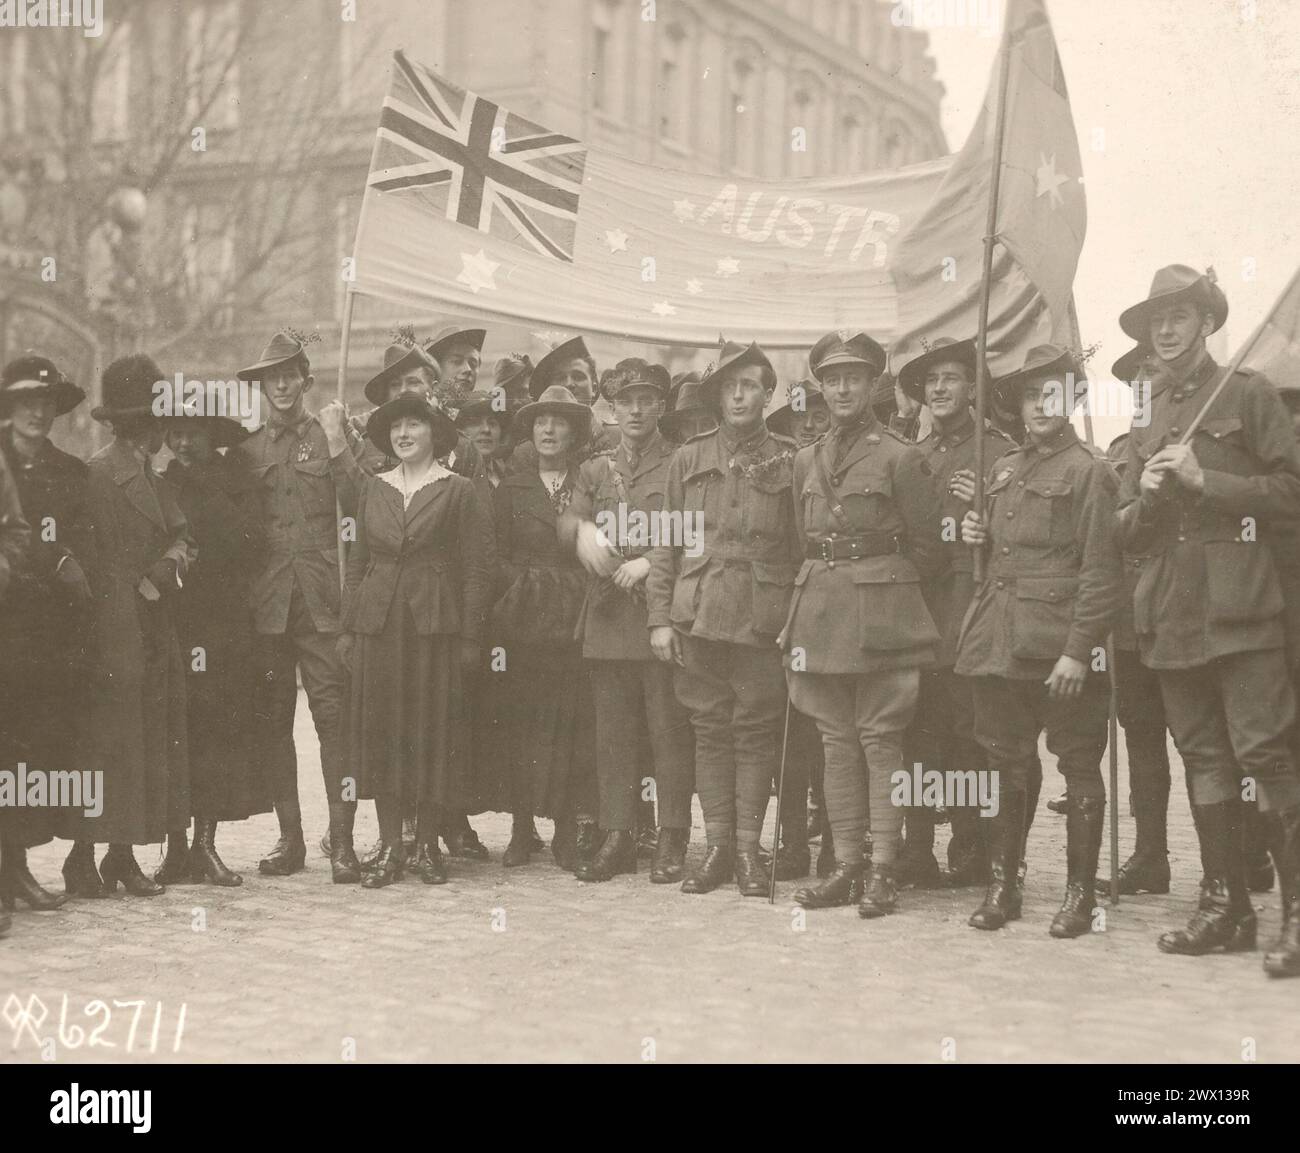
(868, 500)
(1045, 512)
(1221, 445)
(315, 486)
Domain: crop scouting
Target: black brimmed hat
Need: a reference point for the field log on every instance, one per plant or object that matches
(480, 405)
(37, 376)
(911, 377)
(399, 359)
(731, 355)
(836, 348)
(380, 423)
(782, 419)
(127, 388)
(282, 348)
(224, 431)
(446, 337)
(573, 349)
(1042, 362)
(1171, 285)
(558, 400)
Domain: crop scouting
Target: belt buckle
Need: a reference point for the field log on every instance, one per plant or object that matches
(827, 548)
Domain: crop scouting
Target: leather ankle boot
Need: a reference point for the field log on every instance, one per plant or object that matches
(80, 877)
(1283, 956)
(1224, 918)
(119, 867)
(17, 882)
(290, 852)
(1144, 872)
(670, 856)
(345, 869)
(879, 892)
(1083, 829)
(521, 842)
(429, 865)
(175, 869)
(388, 869)
(1002, 899)
(842, 886)
(714, 870)
(204, 861)
(752, 879)
(617, 855)
(587, 840)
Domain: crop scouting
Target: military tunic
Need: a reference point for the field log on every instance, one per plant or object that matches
(1208, 609)
(630, 686)
(1053, 587)
(729, 602)
(858, 630)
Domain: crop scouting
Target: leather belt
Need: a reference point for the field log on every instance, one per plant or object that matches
(853, 547)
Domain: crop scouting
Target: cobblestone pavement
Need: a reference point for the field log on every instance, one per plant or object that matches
(530, 965)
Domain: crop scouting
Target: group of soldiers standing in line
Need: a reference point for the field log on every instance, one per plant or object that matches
(498, 647)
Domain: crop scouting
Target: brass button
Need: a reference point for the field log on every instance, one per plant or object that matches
(1006, 552)
(1002, 584)
(1021, 483)
(1010, 515)
(1174, 431)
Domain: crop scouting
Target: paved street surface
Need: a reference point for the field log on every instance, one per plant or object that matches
(530, 965)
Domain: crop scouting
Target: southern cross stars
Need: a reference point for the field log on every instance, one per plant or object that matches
(617, 239)
(1049, 180)
(728, 266)
(477, 271)
(663, 308)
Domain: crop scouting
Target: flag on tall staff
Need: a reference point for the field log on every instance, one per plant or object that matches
(1041, 219)
(1274, 349)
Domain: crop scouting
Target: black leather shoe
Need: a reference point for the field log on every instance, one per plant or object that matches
(1224, 918)
(119, 866)
(205, 864)
(1143, 872)
(752, 879)
(842, 887)
(289, 856)
(429, 866)
(1283, 830)
(389, 868)
(1083, 829)
(670, 856)
(1003, 898)
(587, 841)
(616, 856)
(879, 893)
(646, 842)
(177, 868)
(17, 883)
(80, 877)
(713, 871)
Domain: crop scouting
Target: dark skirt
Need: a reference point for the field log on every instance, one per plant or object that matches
(405, 731)
(536, 734)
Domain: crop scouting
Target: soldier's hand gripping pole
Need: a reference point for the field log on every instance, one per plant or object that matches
(780, 792)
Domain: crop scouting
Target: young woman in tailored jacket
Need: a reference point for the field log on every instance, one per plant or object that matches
(417, 587)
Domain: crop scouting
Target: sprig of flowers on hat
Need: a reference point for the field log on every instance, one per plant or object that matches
(404, 334)
(303, 338)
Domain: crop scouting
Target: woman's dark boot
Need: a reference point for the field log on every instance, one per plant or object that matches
(616, 856)
(463, 841)
(520, 848)
(647, 837)
(879, 892)
(17, 882)
(1283, 956)
(429, 865)
(1003, 897)
(119, 867)
(344, 866)
(1083, 829)
(842, 887)
(587, 840)
(388, 868)
(716, 869)
(752, 878)
(80, 876)
(1224, 918)
(670, 856)
(290, 852)
(176, 869)
(205, 864)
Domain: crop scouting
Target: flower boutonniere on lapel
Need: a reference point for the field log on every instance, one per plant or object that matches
(768, 473)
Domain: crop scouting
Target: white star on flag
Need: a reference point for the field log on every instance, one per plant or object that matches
(663, 308)
(477, 271)
(694, 287)
(728, 266)
(1049, 180)
(616, 238)
(683, 209)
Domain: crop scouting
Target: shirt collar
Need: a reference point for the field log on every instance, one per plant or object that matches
(1197, 377)
(278, 428)
(1062, 440)
(734, 445)
(961, 433)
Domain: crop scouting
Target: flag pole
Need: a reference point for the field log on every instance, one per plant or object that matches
(986, 284)
(349, 299)
(1238, 360)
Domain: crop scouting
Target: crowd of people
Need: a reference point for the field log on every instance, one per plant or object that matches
(464, 582)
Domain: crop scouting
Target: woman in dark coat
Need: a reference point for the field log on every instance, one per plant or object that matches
(417, 585)
(45, 623)
(137, 713)
(215, 632)
(543, 700)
